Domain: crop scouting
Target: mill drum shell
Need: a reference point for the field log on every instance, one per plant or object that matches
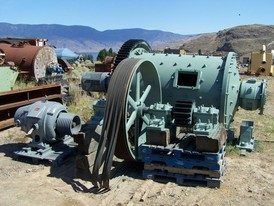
(30, 60)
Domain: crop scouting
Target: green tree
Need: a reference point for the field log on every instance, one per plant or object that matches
(110, 52)
(102, 55)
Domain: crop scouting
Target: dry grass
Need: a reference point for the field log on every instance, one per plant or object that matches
(82, 102)
(232, 151)
(22, 83)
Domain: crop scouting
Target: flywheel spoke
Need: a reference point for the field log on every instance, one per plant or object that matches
(132, 102)
(131, 120)
(145, 119)
(145, 94)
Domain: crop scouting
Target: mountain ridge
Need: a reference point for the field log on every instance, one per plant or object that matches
(87, 39)
(242, 39)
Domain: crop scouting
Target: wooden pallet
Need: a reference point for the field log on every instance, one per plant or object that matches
(180, 179)
(182, 154)
(186, 171)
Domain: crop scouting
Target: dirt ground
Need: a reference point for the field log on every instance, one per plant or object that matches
(248, 180)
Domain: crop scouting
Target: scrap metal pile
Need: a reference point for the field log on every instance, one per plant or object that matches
(170, 111)
(31, 58)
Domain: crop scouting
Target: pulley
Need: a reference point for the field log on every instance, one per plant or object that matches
(133, 87)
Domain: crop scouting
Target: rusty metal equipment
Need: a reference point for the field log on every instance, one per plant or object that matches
(10, 101)
(51, 128)
(65, 65)
(106, 66)
(2, 57)
(160, 99)
(34, 61)
(31, 41)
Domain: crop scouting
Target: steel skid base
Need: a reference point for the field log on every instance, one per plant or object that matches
(56, 153)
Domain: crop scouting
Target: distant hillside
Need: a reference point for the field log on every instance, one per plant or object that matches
(87, 39)
(240, 39)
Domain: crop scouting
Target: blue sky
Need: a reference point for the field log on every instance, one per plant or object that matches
(178, 16)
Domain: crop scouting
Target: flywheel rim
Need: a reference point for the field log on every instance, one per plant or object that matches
(134, 76)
